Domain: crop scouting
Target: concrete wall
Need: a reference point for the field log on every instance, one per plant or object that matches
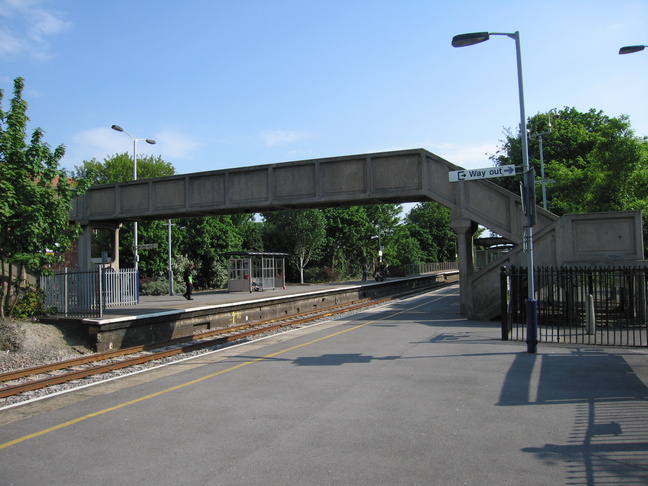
(591, 239)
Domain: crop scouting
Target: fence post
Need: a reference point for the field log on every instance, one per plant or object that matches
(100, 299)
(504, 303)
(66, 295)
(590, 315)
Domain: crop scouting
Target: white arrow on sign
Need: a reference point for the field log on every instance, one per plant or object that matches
(472, 174)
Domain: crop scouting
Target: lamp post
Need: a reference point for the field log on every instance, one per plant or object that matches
(135, 140)
(631, 49)
(543, 181)
(169, 225)
(528, 185)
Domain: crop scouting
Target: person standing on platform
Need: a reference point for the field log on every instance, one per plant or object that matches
(188, 279)
(365, 272)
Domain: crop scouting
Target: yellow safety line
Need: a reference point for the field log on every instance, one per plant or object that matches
(193, 382)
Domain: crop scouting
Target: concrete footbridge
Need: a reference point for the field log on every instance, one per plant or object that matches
(415, 175)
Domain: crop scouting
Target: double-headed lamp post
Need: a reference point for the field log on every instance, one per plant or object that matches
(528, 186)
(135, 140)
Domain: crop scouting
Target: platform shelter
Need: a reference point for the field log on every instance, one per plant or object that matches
(249, 271)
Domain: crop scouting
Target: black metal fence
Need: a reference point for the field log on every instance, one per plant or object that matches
(579, 305)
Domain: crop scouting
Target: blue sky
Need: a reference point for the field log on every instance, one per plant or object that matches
(233, 83)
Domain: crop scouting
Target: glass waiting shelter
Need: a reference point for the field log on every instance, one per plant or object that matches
(249, 271)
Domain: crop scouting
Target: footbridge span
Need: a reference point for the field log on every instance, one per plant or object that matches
(415, 175)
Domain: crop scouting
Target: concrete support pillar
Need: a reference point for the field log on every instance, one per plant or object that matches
(465, 229)
(85, 248)
(85, 255)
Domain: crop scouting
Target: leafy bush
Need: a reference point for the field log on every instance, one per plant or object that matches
(319, 275)
(161, 287)
(31, 303)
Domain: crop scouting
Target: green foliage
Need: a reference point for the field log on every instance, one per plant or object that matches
(301, 234)
(119, 168)
(217, 275)
(31, 303)
(160, 287)
(36, 196)
(204, 241)
(597, 162)
(403, 248)
(429, 224)
(349, 241)
(321, 275)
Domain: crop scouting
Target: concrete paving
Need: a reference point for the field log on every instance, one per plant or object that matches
(411, 393)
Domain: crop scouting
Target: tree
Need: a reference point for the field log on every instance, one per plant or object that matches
(348, 239)
(301, 234)
(119, 168)
(429, 223)
(35, 199)
(204, 242)
(385, 219)
(596, 161)
(403, 248)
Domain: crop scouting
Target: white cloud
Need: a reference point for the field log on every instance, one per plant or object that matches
(466, 156)
(175, 145)
(25, 26)
(281, 137)
(103, 142)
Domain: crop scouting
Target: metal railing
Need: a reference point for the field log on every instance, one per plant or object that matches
(579, 305)
(423, 268)
(87, 293)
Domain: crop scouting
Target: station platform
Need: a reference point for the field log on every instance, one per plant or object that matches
(157, 319)
(408, 393)
(151, 304)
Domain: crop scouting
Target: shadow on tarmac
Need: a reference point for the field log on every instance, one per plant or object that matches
(608, 440)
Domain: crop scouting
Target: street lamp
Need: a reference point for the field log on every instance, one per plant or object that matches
(631, 49)
(528, 185)
(135, 140)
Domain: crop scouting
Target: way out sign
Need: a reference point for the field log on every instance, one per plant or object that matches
(472, 174)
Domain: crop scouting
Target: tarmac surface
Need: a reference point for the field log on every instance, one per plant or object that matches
(410, 393)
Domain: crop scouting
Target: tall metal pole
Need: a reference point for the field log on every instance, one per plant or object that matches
(529, 213)
(135, 140)
(528, 184)
(135, 253)
(169, 257)
(529, 179)
(542, 174)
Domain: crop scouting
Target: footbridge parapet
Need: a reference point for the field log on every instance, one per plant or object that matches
(415, 175)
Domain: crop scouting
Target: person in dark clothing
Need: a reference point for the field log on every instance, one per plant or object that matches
(365, 272)
(188, 279)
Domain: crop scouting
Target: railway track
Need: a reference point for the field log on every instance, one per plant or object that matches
(29, 379)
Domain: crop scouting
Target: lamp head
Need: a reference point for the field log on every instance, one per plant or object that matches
(463, 40)
(631, 49)
(152, 142)
(118, 128)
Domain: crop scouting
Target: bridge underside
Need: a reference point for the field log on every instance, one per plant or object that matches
(389, 177)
